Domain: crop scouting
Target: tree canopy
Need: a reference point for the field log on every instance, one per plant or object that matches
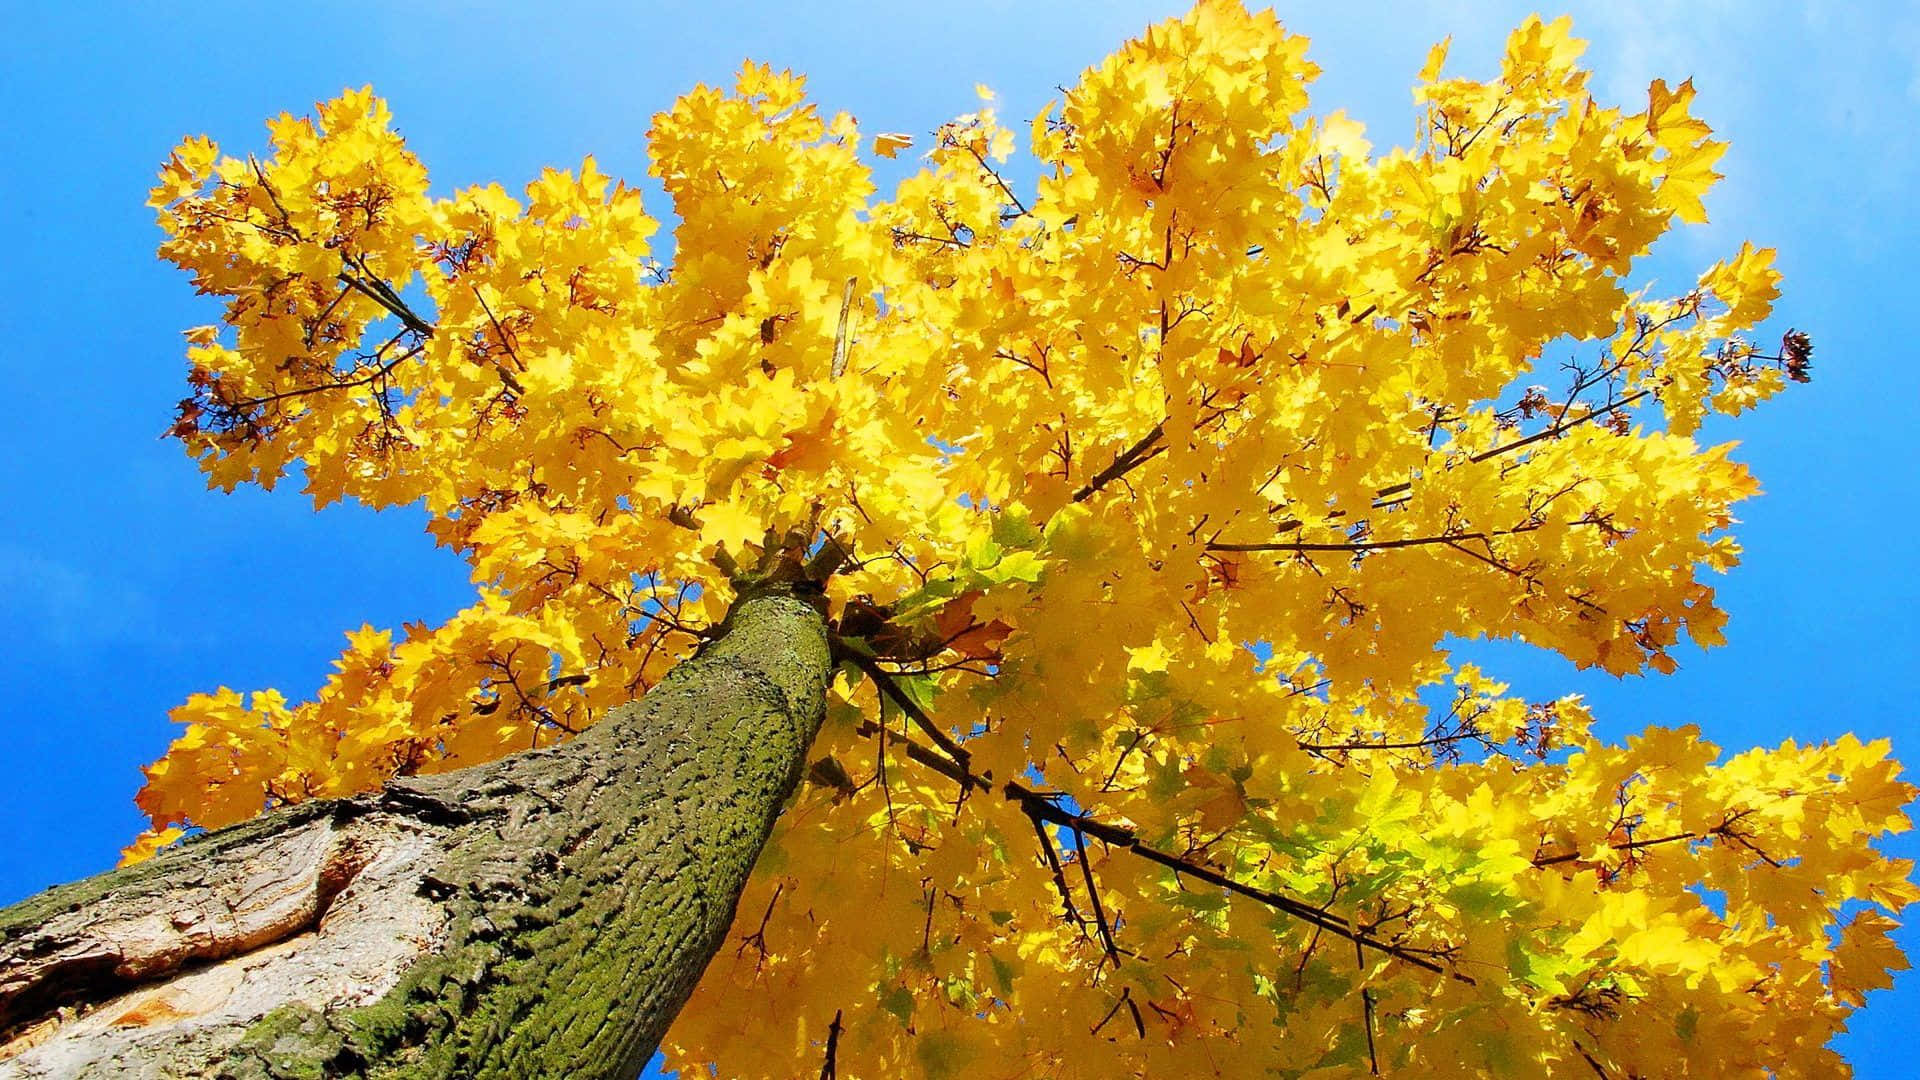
(1162, 488)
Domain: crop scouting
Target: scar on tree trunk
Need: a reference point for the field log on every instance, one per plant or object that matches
(545, 915)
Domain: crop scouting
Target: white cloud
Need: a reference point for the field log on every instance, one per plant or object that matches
(60, 605)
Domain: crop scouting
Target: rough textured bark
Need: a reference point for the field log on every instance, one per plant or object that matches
(542, 916)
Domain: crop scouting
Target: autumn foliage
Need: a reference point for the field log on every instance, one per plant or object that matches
(1164, 482)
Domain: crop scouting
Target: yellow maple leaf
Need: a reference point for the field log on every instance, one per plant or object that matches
(1866, 958)
(890, 143)
(730, 524)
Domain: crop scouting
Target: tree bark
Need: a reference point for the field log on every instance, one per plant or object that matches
(542, 916)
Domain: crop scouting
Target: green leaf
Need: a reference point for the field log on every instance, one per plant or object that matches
(1013, 527)
(1019, 566)
(1543, 972)
(942, 1054)
(1481, 899)
(931, 595)
(919, 689)
(1002, 974)
(1200, 900)
(982, 553)
(898, 1000)
(1067, 534)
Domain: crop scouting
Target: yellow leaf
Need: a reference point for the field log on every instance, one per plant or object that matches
(730, 524)
(1436, 59)
(149, 842)
(1866, 958)
(889, 144)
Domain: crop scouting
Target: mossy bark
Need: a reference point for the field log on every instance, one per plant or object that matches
(543, 916)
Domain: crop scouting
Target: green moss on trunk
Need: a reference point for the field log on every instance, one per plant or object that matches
(584, 887)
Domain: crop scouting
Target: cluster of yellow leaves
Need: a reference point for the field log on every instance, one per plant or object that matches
(1225, 376)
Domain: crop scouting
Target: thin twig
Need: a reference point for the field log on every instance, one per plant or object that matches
(1059, 875)
(885, 681)
(1043, 807)
(1093, 895)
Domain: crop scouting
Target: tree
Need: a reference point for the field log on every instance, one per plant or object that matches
(1031, 470)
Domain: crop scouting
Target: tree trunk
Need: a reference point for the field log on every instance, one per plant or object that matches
(545, 915)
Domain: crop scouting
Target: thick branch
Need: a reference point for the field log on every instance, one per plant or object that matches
(1141, 451)
(1044, 807)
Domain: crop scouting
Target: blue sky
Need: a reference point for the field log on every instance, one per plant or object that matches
(127, 586)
